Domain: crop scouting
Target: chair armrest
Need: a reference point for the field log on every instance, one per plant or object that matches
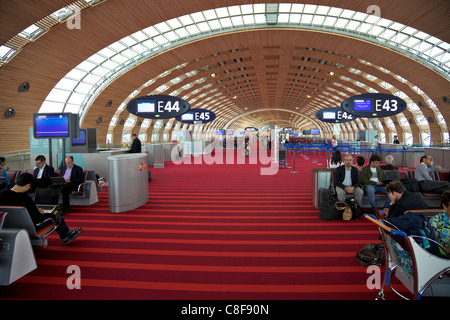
(44, 232)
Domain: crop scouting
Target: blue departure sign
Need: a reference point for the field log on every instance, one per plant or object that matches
(197, 116)
(373, 105)
(158, 107)
(334, 115)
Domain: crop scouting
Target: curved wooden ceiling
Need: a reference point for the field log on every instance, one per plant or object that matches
(270, 76)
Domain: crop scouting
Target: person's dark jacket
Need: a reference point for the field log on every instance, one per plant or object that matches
(12, 198)
(76, 177)
(408, 201)
(136, 146)
(340, 176)
(45, 180)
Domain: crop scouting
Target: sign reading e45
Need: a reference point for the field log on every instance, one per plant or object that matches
(197, 116)
(158, 107)
(374, 105)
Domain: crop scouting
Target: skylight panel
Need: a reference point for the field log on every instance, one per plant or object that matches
(297, 8)
(248, 20)
(284, 7)
(246, 9)
(57, 95)
(234, 10)
(221, 12)
(259, 8)
(117, 46)
(322, 10)
(76, 74)
(28, 32)
(237, 21)
(330, 21)
(49, 106)
(225, 22)
(310, 8)
(318, 20)
(66, 84)
(307, 18)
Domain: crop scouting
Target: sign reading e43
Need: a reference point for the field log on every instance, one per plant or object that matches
(374, 105)
(158, 107)
(197, 116)
(334, 115)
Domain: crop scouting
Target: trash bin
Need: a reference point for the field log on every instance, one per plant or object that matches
(128, 181)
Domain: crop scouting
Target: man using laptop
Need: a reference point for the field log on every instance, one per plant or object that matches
(73, 176)
(43, 172)
(17, 196)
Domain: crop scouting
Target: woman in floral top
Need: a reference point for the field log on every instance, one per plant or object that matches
(441, 222)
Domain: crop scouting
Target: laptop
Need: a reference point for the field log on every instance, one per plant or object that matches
(47, 199)
(56, 180)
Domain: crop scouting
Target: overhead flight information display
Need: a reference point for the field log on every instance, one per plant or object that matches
(334, 115)
(158, 107)
(373, 105)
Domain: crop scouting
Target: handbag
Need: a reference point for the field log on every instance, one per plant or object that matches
(347, 213)
(356, 209)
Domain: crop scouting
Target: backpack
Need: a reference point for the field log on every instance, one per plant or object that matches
(356, 209)
(327, 207)
(411, 184)
(371, 254)
(416, 224)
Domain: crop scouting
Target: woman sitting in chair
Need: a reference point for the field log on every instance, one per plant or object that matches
(441, 222)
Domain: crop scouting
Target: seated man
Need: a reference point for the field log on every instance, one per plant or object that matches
(347, 181)
(426, 183)
(402, 200)
(389, 163)
(372, 177)
(43, 172)
(17, 196)
(73, 175)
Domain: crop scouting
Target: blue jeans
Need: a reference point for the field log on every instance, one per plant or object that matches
(370, 190)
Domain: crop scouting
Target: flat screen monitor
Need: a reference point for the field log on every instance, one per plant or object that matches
(220, 132)
(81, 140)
(362, 105)
(145, 106)
(315, 131)
(51, 125)
(329, 115)
(306, 132)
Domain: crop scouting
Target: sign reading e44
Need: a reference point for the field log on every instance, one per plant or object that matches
(334, 115)
(374, 105)
(197, 116)
(158, 107)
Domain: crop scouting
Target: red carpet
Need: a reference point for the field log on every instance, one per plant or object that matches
(208, 232)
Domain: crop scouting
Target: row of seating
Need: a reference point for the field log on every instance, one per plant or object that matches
(86, 193)
(433, 200)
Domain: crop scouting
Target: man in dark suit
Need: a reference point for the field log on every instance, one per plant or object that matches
(402, 200)
(43, 172)
(74, 176)
(347, 181)
(136, 146)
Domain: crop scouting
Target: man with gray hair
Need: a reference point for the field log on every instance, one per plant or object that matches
(389, 163)
(347, 181)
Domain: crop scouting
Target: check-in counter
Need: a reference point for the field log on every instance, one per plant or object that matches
(99, 161)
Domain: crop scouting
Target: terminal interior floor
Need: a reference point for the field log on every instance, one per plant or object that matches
(208, 232)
